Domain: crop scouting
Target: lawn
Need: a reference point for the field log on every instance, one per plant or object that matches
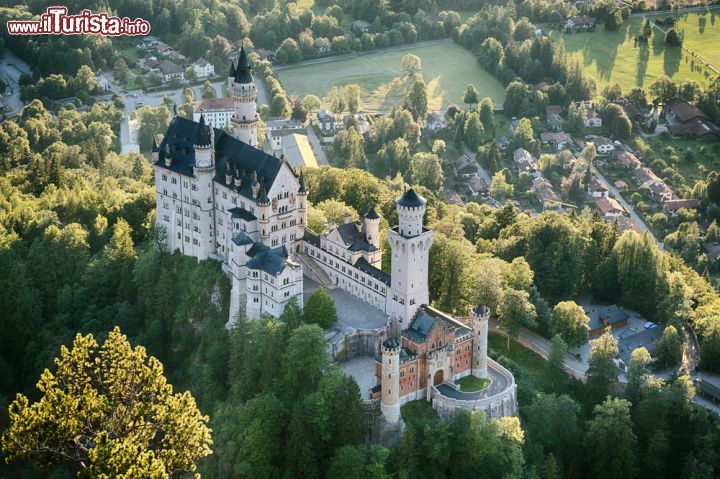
(703, 157)
(613, 57)
(701, 31)
(472, 383)
(447, 69)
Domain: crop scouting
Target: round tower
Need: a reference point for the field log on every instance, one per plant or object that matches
(244, 119)
(480, 317)
(410, 244)
(372, 227)
(204, 171)
(390, 380)
(410, 210)
(302, 195)
(155, 155)
(263, 204)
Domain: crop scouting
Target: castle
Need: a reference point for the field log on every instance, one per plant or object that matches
(220, 196)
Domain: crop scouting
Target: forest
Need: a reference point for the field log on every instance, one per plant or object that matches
(82, 255)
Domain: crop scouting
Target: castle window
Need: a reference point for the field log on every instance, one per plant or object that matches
(164, 177)
(173, 181)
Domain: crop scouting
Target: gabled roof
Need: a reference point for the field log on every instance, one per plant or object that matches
(685, 111)
(363, 265)
(352, 236)
(372, 214)
(272, 261)
(231, 155)
(242, 213)
(426, 318)
(242, 238)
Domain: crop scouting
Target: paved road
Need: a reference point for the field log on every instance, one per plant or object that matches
(636, 218)
(482, 172)
(11, 67)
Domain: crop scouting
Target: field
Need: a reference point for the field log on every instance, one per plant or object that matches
(613, 57)
(447, 69)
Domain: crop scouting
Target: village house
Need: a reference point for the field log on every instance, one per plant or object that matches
(436, 121)
(609, 207)
(687, 120)
(648, 180)
(673, 206)
(524, 161)
(558, 140)
(326, 124)
(580, 23)
(612, 317)
(627, 224)
(217, 111)
(603, 146)
(466, 166)
(554, 120)
(620, 185)
(635, 113)
(596, 189)
(477, 185)
(203, 68)
(628, 160)
(544, 193)
(171, 71)
(592, 119)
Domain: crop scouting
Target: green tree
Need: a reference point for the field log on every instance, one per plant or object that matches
(672, 38)
(553, 424)
(207, 90)
(610, 442)
(602, 370)
(312, 103)
(487, 115)
(474, 131)
(555, 364)
(320, 309)
(349, 149)
(571, 323)
(121, 71)
(305, 361)
(515, 311)
(410, 65)
(426, 170)
(500, 188)
(637, 373)
(471, 96)
(669, 348)
(416, 99)
(108, 412)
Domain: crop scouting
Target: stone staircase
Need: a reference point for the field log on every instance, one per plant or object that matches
(314, 271)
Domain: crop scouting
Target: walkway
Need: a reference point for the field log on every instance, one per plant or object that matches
(498, 384)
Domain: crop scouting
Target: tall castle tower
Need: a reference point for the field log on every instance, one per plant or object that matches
(244, 119)
(390, 400)
(204, 171)
(410, 244)
(480, 317)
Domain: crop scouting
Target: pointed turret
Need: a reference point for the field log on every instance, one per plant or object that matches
(262, 198)
(155, 147)
(302, 183)
(202, 133)
(231, 71)
(242, 74)
(155, 155)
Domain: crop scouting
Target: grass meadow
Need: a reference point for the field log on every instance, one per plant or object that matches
(447, 69)
(614, 57)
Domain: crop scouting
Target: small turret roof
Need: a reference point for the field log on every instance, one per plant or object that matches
(262, 198)
(410, 199)
(242, 74)
(302, 183)
(202, 133)
(372, 214)
(232, 71)
(155, 147)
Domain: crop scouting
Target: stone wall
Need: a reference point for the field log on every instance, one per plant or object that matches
(494, 407)
(362, 342)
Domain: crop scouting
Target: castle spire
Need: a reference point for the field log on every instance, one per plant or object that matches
(242, 74)
(232, 71)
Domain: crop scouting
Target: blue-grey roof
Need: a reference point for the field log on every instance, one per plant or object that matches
(242, 238)
(232, 155)
(231, 71)
(271, 261)
(612, 314)
(372, 214)
(410, 199)
(242, 74)
(311, 238)
(425, 319)
(242, 213)
(627, 343)
(351, 235)
(363, 265)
